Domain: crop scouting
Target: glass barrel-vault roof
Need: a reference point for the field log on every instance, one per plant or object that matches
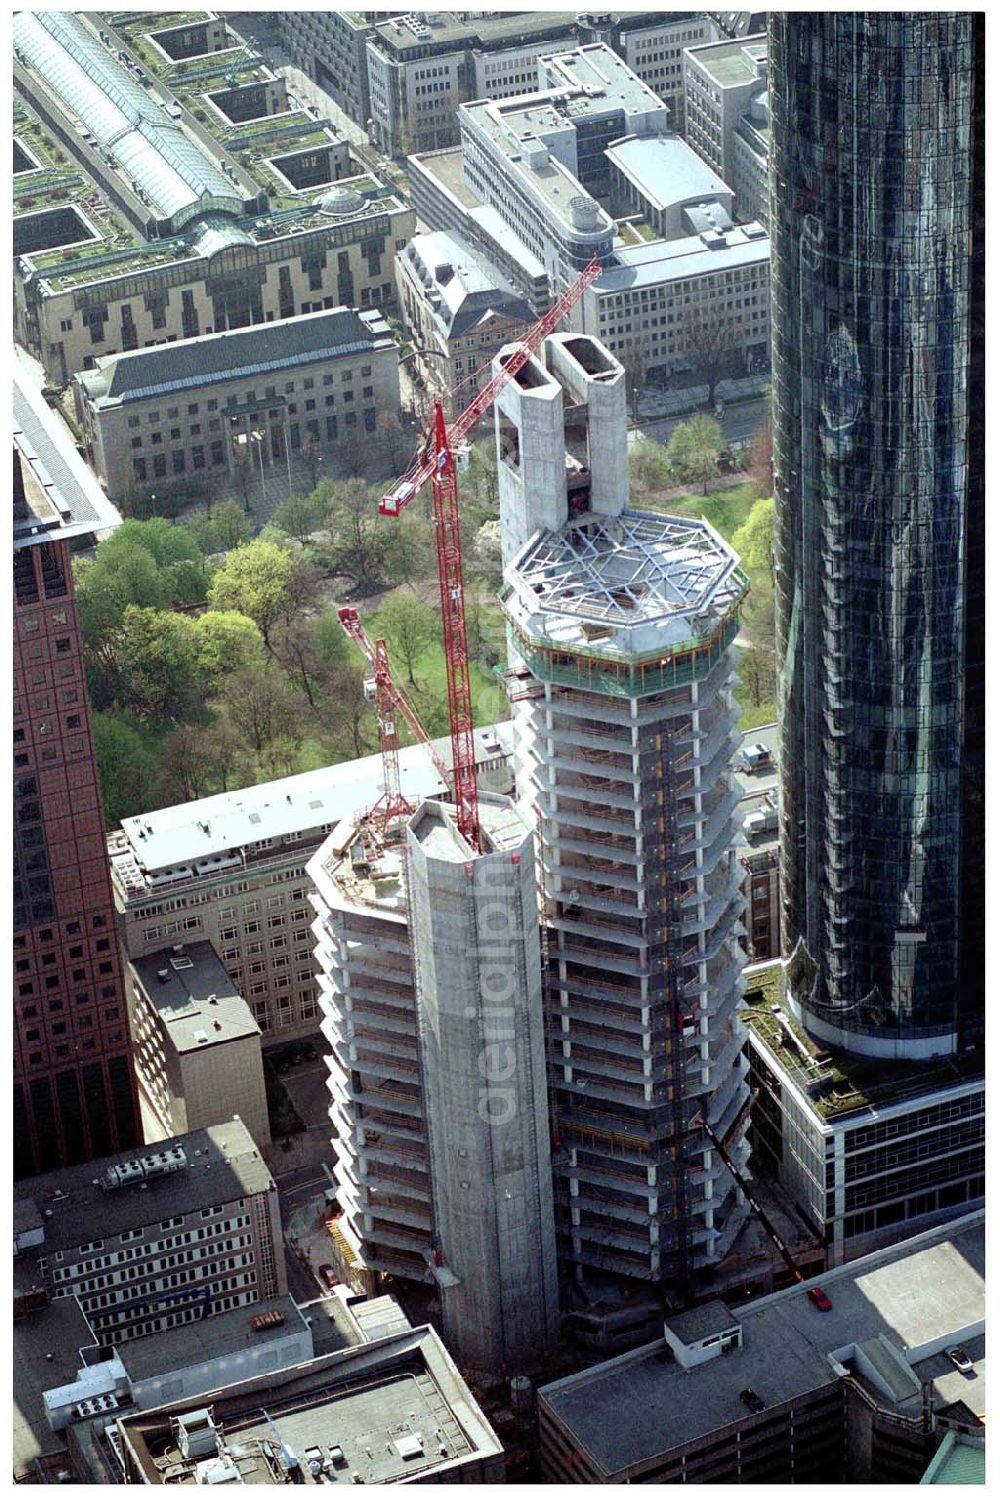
(176, 176)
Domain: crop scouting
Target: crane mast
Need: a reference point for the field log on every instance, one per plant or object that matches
(436, 463)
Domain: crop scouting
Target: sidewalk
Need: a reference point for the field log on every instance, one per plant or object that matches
(691, 398)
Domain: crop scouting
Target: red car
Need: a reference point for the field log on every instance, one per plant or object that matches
(329, 1276)
(819, 1299)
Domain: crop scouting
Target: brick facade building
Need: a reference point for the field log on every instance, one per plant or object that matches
(74, 1088)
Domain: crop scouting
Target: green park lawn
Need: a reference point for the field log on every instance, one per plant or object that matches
(725, 509)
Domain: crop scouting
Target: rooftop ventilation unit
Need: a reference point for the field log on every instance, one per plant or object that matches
(158, 1164)
(196, 1433)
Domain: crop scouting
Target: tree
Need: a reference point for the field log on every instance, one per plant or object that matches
(166, 542)
(296, 649)
(226, 642)
(301, 515)
(331, 642)
(486, 555)
(185, 765)
(409, 625)
(228, 752)
(187, 581)
(352, 450)
(695, 448)
(393, 440)
(158, 662)
(634, 360)
(125, 764)
(760, 460)
(261, 704)
(312, 457)
(710, 339)
(124, 574)
(256, 581)
(754, 540)
(359, 538)
(757, 664)
(649, 467)
(221, 531)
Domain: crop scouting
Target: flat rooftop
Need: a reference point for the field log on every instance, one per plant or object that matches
(666, 170)
(516, 129)
(196, 1003)
(833, 1083)
(45, 1354)
(604, 81)
(731, 63)
(209, 1338)
(181, 837)
(60, 496)
(921, 1295)
(490, 32)
(652, 264)
(398, 1410)
(222, 1163)
(624, 586)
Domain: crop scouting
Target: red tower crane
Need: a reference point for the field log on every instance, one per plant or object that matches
(389, 700)
(436, 462)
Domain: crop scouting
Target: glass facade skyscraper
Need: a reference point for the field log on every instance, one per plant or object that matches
(877, 255)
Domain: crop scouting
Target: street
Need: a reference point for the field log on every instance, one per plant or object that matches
(739, 422)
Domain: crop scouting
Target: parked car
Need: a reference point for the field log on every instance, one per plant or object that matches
(329, 1277)
(960, 1359)
(819, 1299)
(752, 1400)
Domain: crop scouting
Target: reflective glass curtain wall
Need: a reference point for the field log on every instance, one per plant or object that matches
(877, 269)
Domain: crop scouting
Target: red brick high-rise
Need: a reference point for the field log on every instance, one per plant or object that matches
(74, 1084)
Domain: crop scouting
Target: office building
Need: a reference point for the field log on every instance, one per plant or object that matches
(181, 1363)
(180, 412)
(862, 1152)
(749, 161)
(667, 305)
(878, 460)
(149, 1240)
(433, 1008)
(620, 627)
(192, 194)
(476, 56)
(661, 179)
(230, 869)
(460, 310)
(196, 1044)
(331, 46)
(539, 160)
(780, 1392)
(422, 66)
(395, 1411)
(74, 1089)
(721, 82)
(653, 45)
(442, 199)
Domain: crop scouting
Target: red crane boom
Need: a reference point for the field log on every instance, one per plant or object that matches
(436, 462)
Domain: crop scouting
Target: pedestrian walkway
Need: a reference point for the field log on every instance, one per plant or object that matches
(654, 403)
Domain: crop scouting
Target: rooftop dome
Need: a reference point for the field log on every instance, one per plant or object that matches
(340, 201)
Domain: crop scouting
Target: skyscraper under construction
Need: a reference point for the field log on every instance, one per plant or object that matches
(620, 631)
